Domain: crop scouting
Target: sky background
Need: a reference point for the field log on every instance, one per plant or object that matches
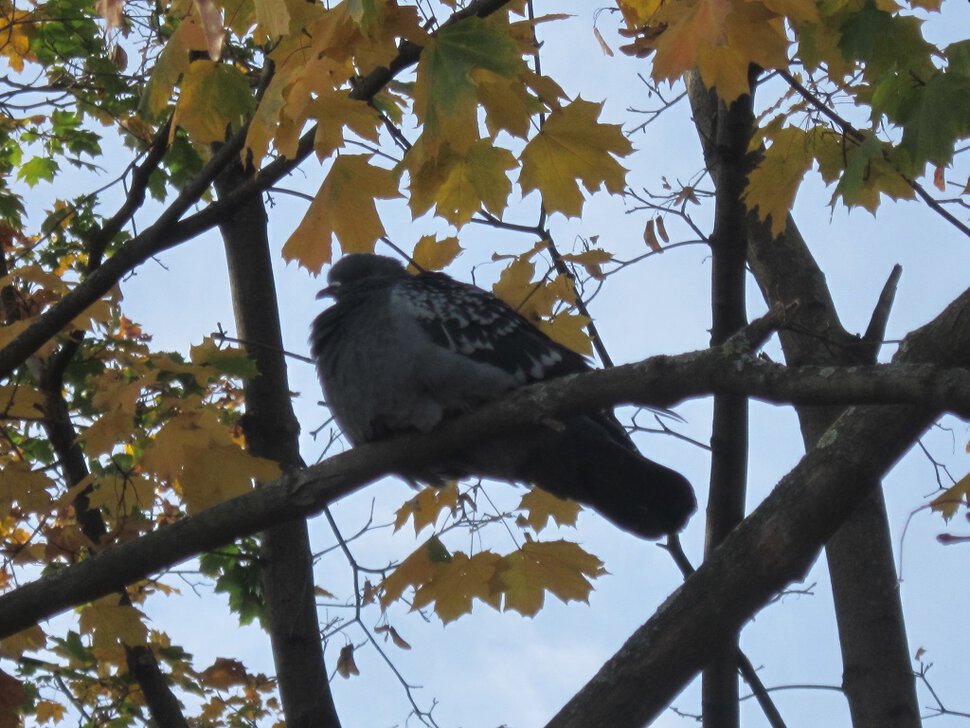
(491, 669)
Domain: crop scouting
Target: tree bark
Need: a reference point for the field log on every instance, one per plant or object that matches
(877, 670)
(732, 129)
(272, 431)
(776, 544)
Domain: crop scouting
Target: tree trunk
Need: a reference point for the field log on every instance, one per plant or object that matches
(272, 431)
(877, 672)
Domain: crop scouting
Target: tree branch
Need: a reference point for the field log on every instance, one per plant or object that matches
(655, 381)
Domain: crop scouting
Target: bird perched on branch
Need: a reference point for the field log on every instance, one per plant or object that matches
(399, 353)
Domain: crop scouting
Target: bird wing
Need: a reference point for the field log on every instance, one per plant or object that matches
(471, 322)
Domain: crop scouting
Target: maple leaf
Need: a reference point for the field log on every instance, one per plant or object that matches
(47, 711)
(690, 27)
(426, 506)
(20, 402)
(224, 673)
(27, 487)
(344, 207)
(573, 147)
(110, 623)
(507, 103)
(335, 110)
(27, 640)
(433, 254)
(195, 452)
(459, 182)
(569, 329)
(867, 174)
(457, 582)
(542, 506)
(171, 64)
(445, 90)
(514, 285)
(215, 98)
(773, 183)
(416, 570)
(560, 567)
(950, 500)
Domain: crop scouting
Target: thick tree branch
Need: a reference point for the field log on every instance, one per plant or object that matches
(775, 545)
(655, 381)
(168, 232)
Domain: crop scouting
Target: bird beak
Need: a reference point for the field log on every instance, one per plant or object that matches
(326, 292)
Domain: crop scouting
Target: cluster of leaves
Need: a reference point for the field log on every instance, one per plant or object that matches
(517, 581)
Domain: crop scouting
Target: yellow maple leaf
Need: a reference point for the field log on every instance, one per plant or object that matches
(215, 99)
(344, 207)
(334, 110)
(272, 17)
(27, 640)
(560, 567)
(457, 582)
(426, 506)
(110, 623)
(950, 500)
(28, 488)
(433, 254)
(171, 64)
(507, 103)
(772, 185)
(568, 329)
(20, 402)
(542, 506)
(459, 184)
(690, 26)
(195, 453)
(514, 285)
(47, 711)
(574, 147)
(416, 570)
(638, 12)
(224, 673)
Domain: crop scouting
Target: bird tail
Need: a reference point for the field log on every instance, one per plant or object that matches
(586, 462)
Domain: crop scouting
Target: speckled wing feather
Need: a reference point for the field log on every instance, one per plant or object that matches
(471, 322)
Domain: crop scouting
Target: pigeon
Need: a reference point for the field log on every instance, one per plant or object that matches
(401, 353)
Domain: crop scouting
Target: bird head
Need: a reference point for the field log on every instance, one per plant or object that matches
(358, 267)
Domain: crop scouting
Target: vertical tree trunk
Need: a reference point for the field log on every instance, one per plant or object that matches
(731, 130)
(878, 676)
(877, 673)
(272, 431)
